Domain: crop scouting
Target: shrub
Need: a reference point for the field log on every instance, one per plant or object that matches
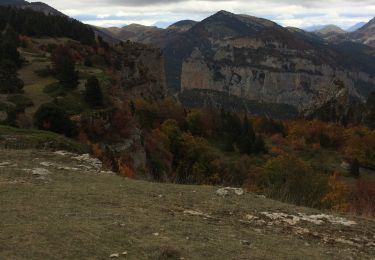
(362, 198)
(52, 118)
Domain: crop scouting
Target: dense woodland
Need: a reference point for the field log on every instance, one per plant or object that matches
(36, 24)
(297, 161)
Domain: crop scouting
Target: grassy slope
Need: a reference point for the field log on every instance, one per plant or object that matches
(18, 138)
(82, 215)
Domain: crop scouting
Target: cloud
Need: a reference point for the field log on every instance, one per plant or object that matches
(298, 13)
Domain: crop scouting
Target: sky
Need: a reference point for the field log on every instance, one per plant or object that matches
(297, 13)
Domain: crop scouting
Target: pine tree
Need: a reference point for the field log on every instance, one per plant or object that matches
(64, 67)
(9, 82)
(354, 168)
(93, 94)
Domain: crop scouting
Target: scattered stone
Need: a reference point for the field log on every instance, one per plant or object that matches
(315, 219)
(124, 253)
(4, 164)
(116, 255)
(196, 213)
(46, 164)
(251, 217)
(86, 158)
(261, 196)
(156, 234)
(225, 191)
(41, 173)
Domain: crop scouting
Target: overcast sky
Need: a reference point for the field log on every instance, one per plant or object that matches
(298, 13)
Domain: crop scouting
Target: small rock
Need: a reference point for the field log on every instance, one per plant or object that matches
(225, 191)
(46, 164)
(245, 242)
(156, 234)
(40, 172)
(63, 153)
(114, 255)
(68, 168)
(261, 197)
(125, 253)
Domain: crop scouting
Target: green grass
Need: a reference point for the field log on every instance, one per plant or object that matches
(72, 103)
(18, 138)
(82, 215)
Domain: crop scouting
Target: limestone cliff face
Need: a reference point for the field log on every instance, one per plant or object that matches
(140, 73)
(248, 69)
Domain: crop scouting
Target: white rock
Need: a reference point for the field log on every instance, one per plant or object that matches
(227, 190)
(96, 163)
(40, 172)
(196, 213)
(156, 234)
(115, 255)
(124, 253)
(46, 164)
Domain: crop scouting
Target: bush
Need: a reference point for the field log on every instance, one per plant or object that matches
(52, 118)
(292, 180)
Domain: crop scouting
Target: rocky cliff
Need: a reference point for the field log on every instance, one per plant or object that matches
(259, 60)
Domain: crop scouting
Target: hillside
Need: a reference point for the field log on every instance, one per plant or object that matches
(60, 205)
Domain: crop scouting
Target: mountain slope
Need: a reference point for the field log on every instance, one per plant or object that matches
(365, 34)
(259, 60)
(77, 210)
(356, 27)
(36, 6)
